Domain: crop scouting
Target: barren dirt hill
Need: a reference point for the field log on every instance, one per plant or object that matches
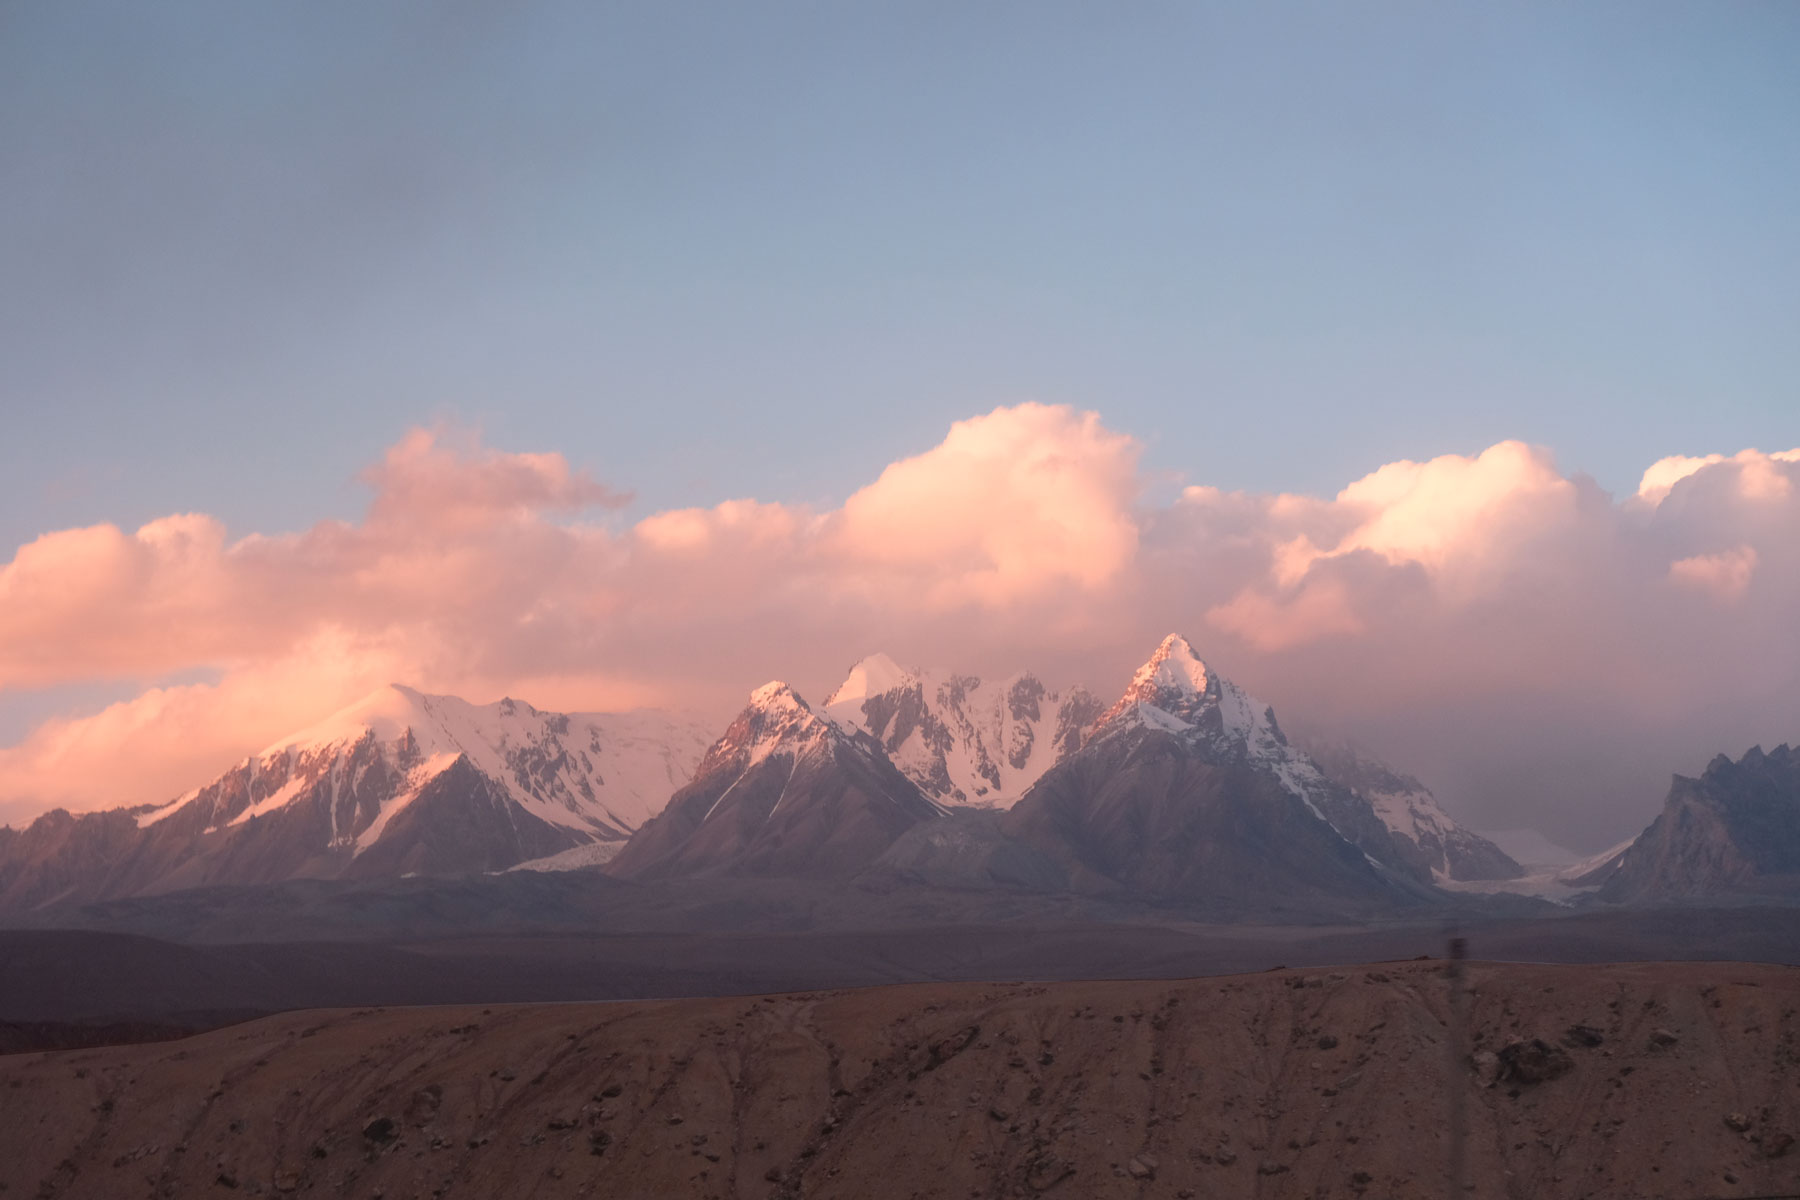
(1648, 1080)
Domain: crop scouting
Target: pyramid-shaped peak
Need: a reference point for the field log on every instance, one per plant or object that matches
(875, 675)
(1173, 680)
(776, 696)
(1173, 666)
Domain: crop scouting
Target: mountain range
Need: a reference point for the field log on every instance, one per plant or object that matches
(401, 783)
(1184, 789)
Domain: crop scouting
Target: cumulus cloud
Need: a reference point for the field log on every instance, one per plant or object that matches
(1009, 505)
(446, 480)
(1759, 473)
(1542, 652)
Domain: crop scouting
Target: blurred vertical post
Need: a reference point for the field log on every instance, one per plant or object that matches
(1454, 1081)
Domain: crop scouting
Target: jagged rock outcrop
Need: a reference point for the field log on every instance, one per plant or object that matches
(1736, 829)
(963, 741)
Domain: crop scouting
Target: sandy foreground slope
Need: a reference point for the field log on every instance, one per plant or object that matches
(1676, 1080)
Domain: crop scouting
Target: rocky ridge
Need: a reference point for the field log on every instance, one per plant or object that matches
(1734, 830)
(963, 741)
(785, 791)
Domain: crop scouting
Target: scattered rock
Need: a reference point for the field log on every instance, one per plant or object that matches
(1583, 1035)
(1045, 1173)
(1737, 1122)
(424, 1105)
(1142, 1166)
(1661, 1038)
(1271, 1168)
(380, 1130)
(1776, 1145)
(1328, 1042)
(950, 1047)
(1534, 1061)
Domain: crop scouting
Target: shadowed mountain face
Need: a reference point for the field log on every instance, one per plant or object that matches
(1188, 788)
(1736, 829)
(785, 792)
(1144, 809)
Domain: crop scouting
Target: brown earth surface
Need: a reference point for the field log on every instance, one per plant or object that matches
(1653, 1080)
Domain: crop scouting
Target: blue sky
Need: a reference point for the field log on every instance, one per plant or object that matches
(721, 250)
(708, 251)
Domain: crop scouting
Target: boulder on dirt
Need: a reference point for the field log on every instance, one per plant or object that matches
(1534, 1061)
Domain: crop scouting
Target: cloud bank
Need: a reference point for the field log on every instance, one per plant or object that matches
(1543, 653)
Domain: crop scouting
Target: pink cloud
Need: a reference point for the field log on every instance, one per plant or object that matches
(1009, 505)
(444, 479)
(1726, 575)
(1540, 650)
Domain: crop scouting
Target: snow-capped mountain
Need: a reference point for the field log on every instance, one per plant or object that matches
(399, 783)
(1187, 786)
(961, 740)
(1734, 830)
(1422, 833)
(785, 791)
(599, 776)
